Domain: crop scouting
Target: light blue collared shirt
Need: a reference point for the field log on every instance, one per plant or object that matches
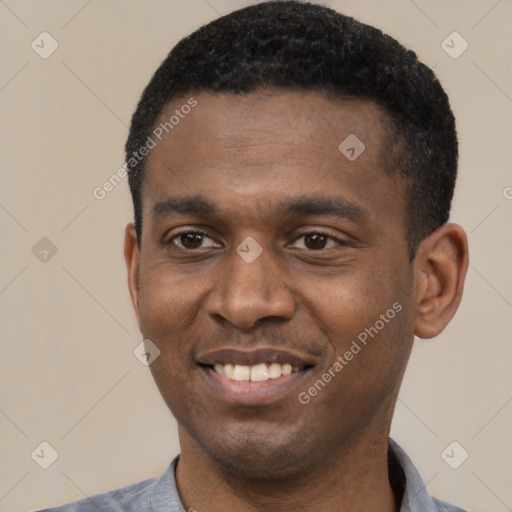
(161, 495)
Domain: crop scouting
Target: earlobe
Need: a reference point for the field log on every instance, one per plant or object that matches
(440, 269)
(131, 257)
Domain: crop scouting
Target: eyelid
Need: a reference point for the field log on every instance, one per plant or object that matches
(184, 231)
(320, 231)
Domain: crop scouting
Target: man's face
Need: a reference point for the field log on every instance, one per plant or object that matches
(263, 243)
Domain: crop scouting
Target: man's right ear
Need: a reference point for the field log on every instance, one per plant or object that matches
(131, 257)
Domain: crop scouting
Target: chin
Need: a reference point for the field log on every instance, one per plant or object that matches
(259, 455)
(261, 465)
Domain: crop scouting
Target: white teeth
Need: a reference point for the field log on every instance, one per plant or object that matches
(242, 372)
(259, 372)
(256, 373)
(274, 370)
(286, 369)
(229, 370)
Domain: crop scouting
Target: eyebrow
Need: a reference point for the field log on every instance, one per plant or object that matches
(321, 205)
(305, 205)
(188, 205)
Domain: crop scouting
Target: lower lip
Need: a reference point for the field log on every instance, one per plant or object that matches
(246, 392)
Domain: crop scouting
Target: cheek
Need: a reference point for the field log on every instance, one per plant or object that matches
(176, 383)
(168, 301)
(343, 305)
(365, 320)
(169, 318)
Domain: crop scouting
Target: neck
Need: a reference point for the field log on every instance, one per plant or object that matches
(354, 477)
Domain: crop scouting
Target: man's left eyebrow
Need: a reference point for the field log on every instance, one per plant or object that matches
(321, 205)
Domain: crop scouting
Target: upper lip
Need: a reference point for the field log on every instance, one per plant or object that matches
(252, 357)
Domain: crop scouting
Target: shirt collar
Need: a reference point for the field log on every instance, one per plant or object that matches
(415, 494)
(404, 477)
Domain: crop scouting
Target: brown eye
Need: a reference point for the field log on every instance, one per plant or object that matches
(192, 240)
(315, 241)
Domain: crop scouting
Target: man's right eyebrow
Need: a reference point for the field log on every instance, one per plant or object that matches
(185, 205)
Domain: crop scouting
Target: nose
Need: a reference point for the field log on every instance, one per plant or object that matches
(249, 293)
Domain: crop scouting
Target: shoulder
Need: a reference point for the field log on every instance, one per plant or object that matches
(151, 495)
(131, 497)
(443, 506)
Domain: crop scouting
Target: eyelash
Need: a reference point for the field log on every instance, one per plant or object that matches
(203, 233)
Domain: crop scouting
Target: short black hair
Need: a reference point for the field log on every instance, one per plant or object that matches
(300, 45)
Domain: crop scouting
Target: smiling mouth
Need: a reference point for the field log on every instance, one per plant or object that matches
(256, 372)
(260, 375)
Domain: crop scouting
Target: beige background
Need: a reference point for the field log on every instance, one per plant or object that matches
(68, 374)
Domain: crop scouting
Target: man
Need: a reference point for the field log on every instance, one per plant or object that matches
(291, 172)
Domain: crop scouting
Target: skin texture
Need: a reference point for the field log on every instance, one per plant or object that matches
(247, 155)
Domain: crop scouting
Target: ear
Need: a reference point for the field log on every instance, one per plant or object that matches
(441, 264)
(131, 257)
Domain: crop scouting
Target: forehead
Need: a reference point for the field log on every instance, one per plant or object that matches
(265, 146)
(270, 116)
